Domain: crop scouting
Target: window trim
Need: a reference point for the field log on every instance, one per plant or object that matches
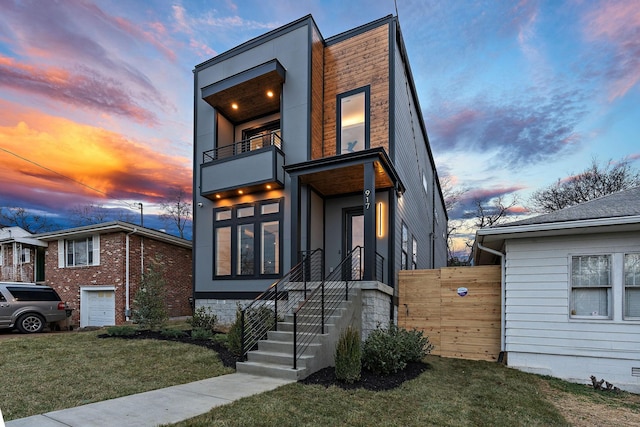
(609, 288)
(404, 246)
(256, 220)
(93, 255)
(624, 289)
(367, 116)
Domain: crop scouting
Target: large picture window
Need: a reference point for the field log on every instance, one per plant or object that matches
(632, 286)
(247, 240)
(353, 121)
(591, 285)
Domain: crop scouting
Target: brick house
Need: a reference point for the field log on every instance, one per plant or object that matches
(21, 256)
(97, 269)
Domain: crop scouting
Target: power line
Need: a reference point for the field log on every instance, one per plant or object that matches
(129, 205)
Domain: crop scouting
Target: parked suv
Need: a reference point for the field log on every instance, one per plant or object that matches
(29, 307)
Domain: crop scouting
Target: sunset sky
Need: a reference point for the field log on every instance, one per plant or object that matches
(96, 97)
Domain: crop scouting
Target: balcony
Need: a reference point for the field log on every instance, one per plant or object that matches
(251, 165)
(254, 143)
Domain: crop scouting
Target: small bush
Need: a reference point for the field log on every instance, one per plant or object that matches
(388, 350)
(203, 318)
(121, 331)
(348, 354)
(172, 333)
(234, 336)
(380, 352)
(201, 334)
(220, 339)
(150, 310)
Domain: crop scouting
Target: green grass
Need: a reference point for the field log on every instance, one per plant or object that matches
(57, 371)
(452, 392)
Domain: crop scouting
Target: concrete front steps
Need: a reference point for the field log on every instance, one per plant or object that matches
(274, 356)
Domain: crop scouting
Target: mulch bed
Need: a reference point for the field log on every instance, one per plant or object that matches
(325, 377)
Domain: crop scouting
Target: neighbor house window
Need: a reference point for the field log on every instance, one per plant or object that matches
(25, 256)
(631, 285)
(404, 254)
(353, 121)
(247, 240)
(591, 285)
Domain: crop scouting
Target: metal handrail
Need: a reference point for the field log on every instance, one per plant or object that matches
(257, 142)
(264, 312)
(329, 295)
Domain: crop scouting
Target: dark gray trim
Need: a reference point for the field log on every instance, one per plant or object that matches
(358, 30)
(225, 295)
(195, 194)
(245, 76)
(257, 41)
(367, 116)
(392, 91)
(369, 210)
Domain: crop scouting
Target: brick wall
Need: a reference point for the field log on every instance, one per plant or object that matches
(20, 272)
(175, 261)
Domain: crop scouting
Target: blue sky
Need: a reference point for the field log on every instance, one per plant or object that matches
(514, 94)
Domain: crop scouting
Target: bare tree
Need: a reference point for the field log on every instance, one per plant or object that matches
(87, 214)
(595, 181)
(492, 213)
(452, 196)
(177, 210)
(32, 222)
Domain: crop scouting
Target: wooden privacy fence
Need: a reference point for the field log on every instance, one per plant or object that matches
(465, 326)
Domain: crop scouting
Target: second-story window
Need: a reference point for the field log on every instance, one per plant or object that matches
(353, 121)
(80, 252)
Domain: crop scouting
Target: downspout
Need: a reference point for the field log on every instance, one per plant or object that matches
(502, 298)
(127, 308)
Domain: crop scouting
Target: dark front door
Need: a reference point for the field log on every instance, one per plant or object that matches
(353, 238)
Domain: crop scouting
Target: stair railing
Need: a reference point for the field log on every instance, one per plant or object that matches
(309, 319)
(264, 312)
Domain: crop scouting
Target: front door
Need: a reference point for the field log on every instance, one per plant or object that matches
(354, 238)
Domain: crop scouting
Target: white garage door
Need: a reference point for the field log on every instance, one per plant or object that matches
(100, 308)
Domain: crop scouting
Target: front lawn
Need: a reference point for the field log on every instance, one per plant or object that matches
(56, 371)
(452, 392)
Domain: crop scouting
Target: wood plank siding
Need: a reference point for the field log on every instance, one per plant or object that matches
(356, 62)
(466, 327)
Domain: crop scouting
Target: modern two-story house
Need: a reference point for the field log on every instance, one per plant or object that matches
(304, 143)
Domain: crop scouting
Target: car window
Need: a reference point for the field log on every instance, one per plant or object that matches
(34, 294)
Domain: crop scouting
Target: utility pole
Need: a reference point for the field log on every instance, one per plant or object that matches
(141, 215)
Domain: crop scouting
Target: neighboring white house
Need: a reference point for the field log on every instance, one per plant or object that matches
(571, 290)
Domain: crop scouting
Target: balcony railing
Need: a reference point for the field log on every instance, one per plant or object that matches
(251, 144)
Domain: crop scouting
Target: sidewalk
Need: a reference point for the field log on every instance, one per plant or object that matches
(152, 408)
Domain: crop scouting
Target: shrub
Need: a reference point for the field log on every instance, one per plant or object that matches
(388, 350)
(172, 333)
(234, 336)
(121, 331)
(150, 310)
(380, 353)
(201, 334)
(348, 363)
(203, 318)
(413, 345)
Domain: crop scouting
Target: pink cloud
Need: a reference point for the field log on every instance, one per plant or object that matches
(617, 23)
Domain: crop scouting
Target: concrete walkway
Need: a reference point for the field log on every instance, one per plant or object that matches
(152, 408)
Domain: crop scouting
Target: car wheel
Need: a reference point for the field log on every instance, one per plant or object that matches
(30, 323)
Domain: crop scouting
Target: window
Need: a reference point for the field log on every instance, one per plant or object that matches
(414, 253)
(25, 255)
(80, 252)
(353, 121)
(247, 240)
(631, 285)
(404, 255)
(591, 285)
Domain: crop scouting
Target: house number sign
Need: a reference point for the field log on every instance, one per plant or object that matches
(367, 203)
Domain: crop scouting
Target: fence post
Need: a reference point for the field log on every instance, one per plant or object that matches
(275, 314)
(242, 334)
(322, 309)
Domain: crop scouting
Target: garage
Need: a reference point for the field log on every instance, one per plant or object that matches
(97, 306)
